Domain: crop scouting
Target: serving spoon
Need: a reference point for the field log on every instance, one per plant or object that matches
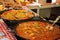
(19, 4)
(51, 27)
(26, 8)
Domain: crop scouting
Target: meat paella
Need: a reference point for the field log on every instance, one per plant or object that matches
(38, 30)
